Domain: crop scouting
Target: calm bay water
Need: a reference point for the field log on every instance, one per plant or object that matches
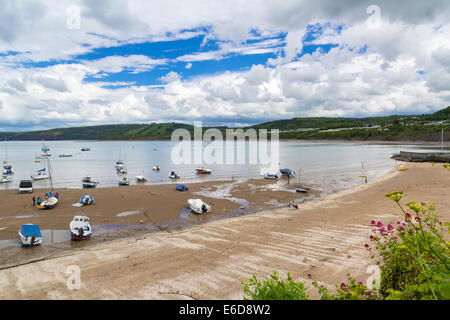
(328, 166)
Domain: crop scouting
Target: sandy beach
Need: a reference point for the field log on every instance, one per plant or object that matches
(325, 238)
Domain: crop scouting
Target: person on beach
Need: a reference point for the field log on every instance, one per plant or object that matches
(365, 179)
(34, 201)
(38, 201)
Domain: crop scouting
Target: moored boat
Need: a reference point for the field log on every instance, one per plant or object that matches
(302, 189)
(173, 175)
(287, 172)
(141, 178)
(88, 183)
(198, 206)
(119, 164)
(80, 228)
(30, 235)
(87, 199)
(51, 201)
(270, 176)
(65, 155)
(203, 170)
(40, 174)
(85, 149)
(123, 181)
(156, 168)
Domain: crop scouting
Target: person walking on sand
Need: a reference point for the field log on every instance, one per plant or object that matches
(38, 201)
(365, 179)
(34, 201)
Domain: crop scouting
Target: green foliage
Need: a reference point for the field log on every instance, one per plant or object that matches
(274, 289)
(351, 290)
(414, 256)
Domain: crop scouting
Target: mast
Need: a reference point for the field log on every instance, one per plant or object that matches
(50, 173)
(442, 139)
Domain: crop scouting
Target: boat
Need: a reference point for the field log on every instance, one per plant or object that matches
(30, 235)
(156, 168)
(123, 181)
(198, 206)
(173, 175)
(85, 149)
(80, 229)
(141, 178)
(287, 172)
(270, 176)
(119, 164)
(45, 149)
(203, 170)
(121, 170)
(64, 155)
(7, 168)
(181, 187)
(302, 189)
(25, 186)
(87, 199)
(5, 178)
(51, 201)
(40, 175)
(88, 183)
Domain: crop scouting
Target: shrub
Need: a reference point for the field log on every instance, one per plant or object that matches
(274, 289)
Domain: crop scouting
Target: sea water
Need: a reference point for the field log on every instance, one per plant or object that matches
(326, 165)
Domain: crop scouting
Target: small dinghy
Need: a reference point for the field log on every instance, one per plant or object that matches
(302, 189)
(6, 178)
(88, 183)
(141, 178)
(181, 187)
(270, 176)
(123, 181)
(30, 235)
(122, 171)
(85, 149)
(203, 170)
(40, 175)
(87, 199)
(50, 201)
(198, 206)
(80, 229)
(173, 175)
(287, 172)
(156, 168)
(119, 164)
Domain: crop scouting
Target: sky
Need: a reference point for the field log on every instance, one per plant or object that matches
(75, 63)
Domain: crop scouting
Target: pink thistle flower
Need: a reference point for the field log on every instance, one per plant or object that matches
(366, 245)
(390, 227)
(379, 224)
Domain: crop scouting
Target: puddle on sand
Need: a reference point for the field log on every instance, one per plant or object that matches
(23, 217)
(128, 213)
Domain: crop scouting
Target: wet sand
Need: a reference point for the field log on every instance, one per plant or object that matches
(135, 210)
(325, 238)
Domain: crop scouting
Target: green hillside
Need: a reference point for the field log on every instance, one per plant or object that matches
(393, 128)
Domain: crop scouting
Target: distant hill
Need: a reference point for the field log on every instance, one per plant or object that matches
(394, 128)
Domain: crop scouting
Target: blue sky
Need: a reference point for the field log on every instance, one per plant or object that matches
(230, 64)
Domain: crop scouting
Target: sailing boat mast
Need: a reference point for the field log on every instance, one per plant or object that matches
(442, 139)
(50, 172)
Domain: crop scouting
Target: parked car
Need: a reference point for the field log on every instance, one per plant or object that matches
(25, 186)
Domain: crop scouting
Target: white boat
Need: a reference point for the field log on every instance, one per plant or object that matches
(173, 175)
(40, 174)
(270, 176)
(156, 168)
(198, 206)
(65, 155)
(50, 201)
(302, 189)
(6, 178)
(121, 171)
(80, 229)
(30, 235)
(203, 170)
(141, 178)
(119, 164)
(7, 168)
